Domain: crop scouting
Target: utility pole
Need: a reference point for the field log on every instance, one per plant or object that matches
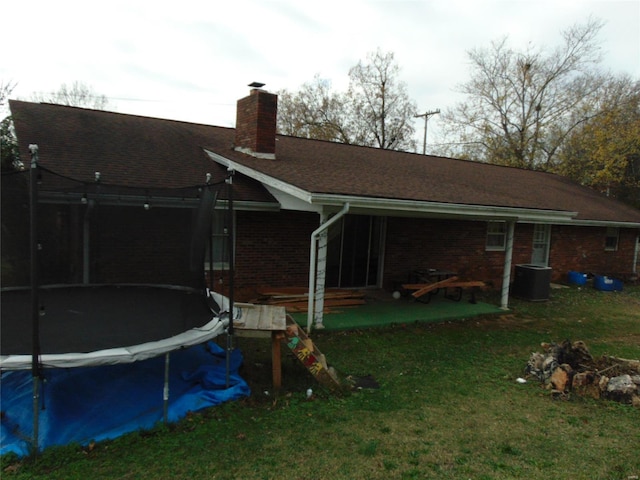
(426, 116)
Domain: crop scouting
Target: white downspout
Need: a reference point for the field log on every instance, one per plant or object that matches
(312, 260)
(506, 274)
(321, 273)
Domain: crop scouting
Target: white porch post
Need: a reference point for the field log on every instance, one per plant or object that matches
(506, 274)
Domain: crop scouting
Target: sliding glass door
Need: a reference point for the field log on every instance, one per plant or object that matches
(354, 251)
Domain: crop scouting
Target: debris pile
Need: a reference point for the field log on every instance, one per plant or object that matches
(296, 299)
(570, 368)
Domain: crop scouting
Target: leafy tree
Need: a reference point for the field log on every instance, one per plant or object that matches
(77, 95)
(375, 111)
(9, 156)
(521, 106)
(604, 152)
(9, 146)
(14, 230)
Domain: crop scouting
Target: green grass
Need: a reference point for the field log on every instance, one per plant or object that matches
(448, 407)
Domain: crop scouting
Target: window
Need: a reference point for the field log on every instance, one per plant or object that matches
(219, 241)
(496, 236)
(611, 240)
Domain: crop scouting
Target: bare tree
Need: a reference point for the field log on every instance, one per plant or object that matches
(76, 95)
(375, 111)
(6, 87)
(522, 106)
(382, 111)
(313, 112)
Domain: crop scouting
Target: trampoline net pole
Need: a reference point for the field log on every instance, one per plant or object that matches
(35, 300)
(36, 415)
(230, 233)
(165, 392)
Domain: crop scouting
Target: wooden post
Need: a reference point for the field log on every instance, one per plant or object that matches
(276, 359)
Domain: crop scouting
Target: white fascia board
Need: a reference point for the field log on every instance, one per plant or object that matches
(266, 180)
(421, 208)
(601, 223)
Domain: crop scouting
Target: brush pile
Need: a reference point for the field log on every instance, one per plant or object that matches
(296, 299)
(567, 368)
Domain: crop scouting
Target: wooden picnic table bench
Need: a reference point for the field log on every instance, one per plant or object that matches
(423, 291)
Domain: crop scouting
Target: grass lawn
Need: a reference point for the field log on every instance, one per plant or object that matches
(448, 407)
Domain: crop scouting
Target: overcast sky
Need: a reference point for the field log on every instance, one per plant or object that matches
(192, 59)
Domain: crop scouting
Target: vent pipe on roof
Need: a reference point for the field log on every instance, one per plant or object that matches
(256, 118)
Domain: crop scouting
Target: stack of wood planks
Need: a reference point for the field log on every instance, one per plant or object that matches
(296, 299)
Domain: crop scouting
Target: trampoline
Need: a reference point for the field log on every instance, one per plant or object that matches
(125, 317)
(89, 325)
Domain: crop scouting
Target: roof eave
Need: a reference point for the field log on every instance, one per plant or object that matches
(602, 223)
(386, 206)
(416, 208)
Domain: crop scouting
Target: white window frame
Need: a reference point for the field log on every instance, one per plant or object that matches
(220, 241)
(612, 239)
(496, 237)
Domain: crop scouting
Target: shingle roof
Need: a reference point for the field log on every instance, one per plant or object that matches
(333, 168)
(142, 151)
(127, 150)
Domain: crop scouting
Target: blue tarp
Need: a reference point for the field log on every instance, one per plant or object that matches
(81, 405)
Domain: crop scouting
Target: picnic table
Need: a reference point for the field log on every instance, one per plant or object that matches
(428, 283)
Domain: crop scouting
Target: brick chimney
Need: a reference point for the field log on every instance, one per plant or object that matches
(256, 124)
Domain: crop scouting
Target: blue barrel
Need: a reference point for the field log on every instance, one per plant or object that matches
(576, 278)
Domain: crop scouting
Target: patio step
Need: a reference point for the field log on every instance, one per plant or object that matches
(306, 351)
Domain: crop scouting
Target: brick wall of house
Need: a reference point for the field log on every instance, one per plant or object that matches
(272, 250)
(460, 247)
(445, 245)
(583, 249)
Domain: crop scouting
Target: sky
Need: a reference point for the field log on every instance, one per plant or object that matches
(192, 60)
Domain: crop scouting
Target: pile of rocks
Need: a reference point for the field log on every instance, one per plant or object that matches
(569, 368)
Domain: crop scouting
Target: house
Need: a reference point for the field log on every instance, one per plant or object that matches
(311, 212)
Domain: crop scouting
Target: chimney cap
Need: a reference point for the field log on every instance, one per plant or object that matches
(256, 85)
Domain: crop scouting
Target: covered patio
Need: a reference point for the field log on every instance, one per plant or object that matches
(381, 310)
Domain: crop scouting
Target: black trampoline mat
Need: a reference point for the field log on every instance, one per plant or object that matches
(82, 319)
